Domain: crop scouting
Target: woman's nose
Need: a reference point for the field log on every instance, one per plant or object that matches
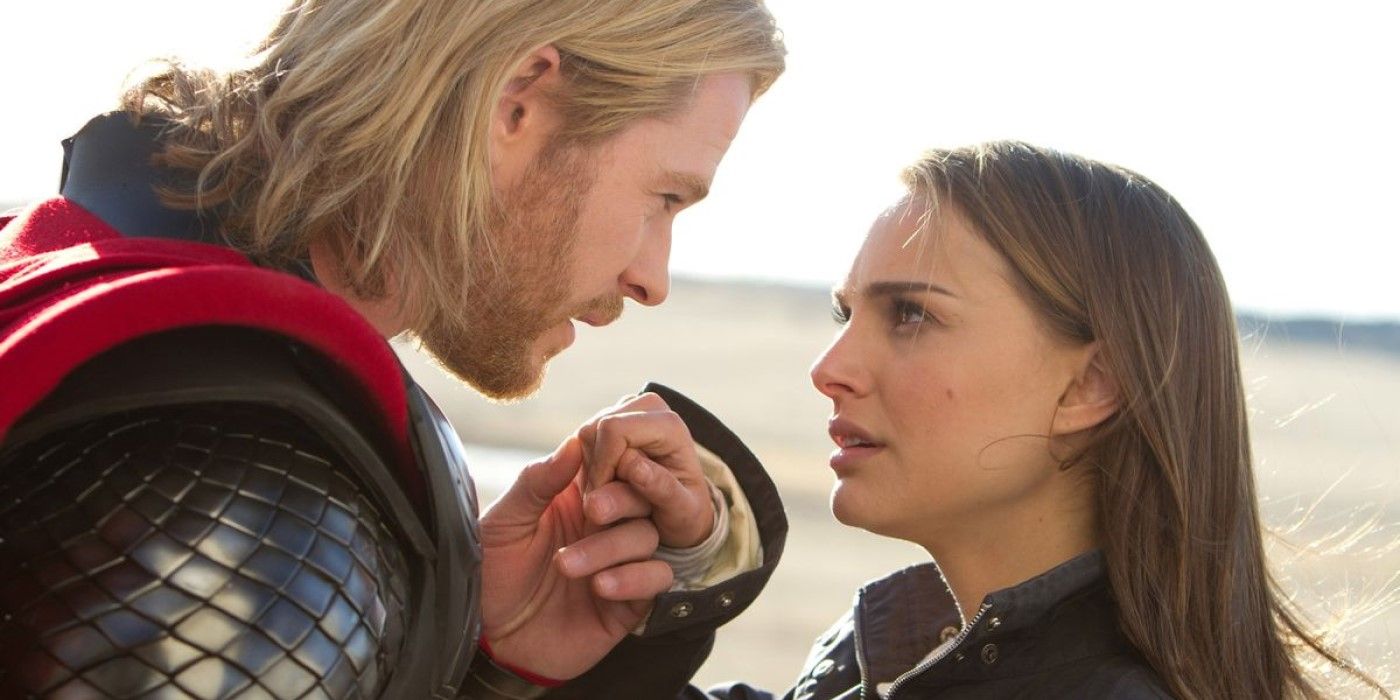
(835, 373)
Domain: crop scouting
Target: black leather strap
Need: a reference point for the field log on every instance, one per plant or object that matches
(488, 681)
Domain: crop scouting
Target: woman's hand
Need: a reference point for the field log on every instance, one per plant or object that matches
(640, 461)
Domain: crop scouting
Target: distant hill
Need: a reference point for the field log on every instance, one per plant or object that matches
(1382, 336)
(1379, 336)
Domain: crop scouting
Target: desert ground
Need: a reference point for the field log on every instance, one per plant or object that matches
(1325, 421)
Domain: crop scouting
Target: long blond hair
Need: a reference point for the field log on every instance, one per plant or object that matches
(1104, 254)
(362, 124)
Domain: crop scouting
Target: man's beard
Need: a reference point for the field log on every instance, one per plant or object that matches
(520, 282)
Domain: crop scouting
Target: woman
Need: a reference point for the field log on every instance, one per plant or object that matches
(1037, 380)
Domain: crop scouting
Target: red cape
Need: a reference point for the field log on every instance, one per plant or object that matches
(72, 287)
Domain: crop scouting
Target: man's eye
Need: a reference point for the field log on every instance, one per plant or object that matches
(673, 201)
(840, 314)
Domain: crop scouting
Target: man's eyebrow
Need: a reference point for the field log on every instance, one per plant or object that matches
(692, 187)
(888, 288)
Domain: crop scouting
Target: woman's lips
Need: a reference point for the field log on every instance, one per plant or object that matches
(853, 444)
(846, 458)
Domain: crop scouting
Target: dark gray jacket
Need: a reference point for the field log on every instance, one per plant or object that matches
(1054, 636)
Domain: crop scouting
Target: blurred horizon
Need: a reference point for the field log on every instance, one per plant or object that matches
(1381, 331)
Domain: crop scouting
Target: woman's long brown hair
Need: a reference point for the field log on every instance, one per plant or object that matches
(1106, 255)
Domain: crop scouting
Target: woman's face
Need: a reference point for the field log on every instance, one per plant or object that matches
(942, 381)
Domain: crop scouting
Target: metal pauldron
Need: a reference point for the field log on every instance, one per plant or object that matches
(215, 547)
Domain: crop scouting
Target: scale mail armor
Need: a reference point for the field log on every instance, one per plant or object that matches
(216, 481)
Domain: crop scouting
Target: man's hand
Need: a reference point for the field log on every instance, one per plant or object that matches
(558, 594)
(640, 460)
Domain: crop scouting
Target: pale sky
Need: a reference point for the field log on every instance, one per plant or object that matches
(1275, 123)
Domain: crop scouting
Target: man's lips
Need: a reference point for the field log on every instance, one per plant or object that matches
(596, 319)
(598, 312)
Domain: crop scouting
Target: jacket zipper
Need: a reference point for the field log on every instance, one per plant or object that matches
(860, 650)
(926, 665)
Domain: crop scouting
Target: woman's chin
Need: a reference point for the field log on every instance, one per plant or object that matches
(853, 509)
(845, 507)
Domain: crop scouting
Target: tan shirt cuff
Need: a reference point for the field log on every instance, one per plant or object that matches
(733, 546)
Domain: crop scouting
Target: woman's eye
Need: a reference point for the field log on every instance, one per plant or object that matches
(910, 314)
(840, 314)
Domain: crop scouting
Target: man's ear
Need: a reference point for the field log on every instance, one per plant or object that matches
(525, 112)
(1092, 396)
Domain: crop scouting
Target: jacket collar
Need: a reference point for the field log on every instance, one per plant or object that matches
(110, 169)
(1023, 605)
(902, 617)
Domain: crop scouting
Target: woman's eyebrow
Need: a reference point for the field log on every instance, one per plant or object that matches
(888, 288)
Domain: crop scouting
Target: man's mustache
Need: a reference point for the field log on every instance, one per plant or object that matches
(601, 310)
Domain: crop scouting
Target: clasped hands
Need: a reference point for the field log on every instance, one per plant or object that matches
(568, 567)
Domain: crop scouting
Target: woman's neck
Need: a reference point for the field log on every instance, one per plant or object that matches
(1002, 548)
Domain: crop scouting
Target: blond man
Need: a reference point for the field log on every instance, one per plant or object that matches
(217, 483)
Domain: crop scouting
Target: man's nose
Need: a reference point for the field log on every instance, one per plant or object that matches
(648, 279)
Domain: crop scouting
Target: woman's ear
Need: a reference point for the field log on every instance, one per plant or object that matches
(525, 117)
(1092, 396)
